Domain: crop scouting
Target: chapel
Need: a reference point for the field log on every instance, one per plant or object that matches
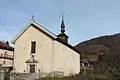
(38, 50)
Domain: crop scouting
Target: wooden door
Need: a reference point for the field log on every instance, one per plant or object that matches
(32, 68)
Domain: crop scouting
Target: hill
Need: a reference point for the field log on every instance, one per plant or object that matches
(107, 44)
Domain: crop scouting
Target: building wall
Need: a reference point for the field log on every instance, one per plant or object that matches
(44, 50)
(65, 59)
(51, 55)
(6, 58)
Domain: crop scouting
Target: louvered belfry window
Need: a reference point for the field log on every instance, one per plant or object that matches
(33, 46)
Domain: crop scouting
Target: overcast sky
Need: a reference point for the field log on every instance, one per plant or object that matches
(84, 19)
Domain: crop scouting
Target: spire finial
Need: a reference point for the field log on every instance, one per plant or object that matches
(62, 24)
(33, 17)
(62, 15)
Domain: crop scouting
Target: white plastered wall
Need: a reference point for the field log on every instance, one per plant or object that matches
(65, 59)
(44, 50)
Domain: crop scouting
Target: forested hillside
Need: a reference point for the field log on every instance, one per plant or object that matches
(110, 47)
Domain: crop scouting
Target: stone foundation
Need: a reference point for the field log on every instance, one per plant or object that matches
(33, 76)
(24, 76)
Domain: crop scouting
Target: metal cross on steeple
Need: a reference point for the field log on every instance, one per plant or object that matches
(33, 17)
(62, 15)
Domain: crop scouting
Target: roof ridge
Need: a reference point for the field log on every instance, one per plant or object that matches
(43, 27)
(37, 25)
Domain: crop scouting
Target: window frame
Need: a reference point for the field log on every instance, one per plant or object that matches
(33, 47)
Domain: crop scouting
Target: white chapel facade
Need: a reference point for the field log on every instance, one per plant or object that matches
(37, 50)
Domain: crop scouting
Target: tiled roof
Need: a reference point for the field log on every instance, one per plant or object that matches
(3, 45)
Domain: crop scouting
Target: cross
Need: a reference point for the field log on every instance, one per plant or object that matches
(62, 15)
(33, 17)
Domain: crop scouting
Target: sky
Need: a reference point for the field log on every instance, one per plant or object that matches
(84, 19)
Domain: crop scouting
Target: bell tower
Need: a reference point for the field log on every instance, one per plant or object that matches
(62, 36)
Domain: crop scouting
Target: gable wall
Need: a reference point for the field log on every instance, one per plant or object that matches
(44, 50)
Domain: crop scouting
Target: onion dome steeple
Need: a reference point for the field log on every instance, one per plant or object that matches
(62, 36)
(62, 25)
